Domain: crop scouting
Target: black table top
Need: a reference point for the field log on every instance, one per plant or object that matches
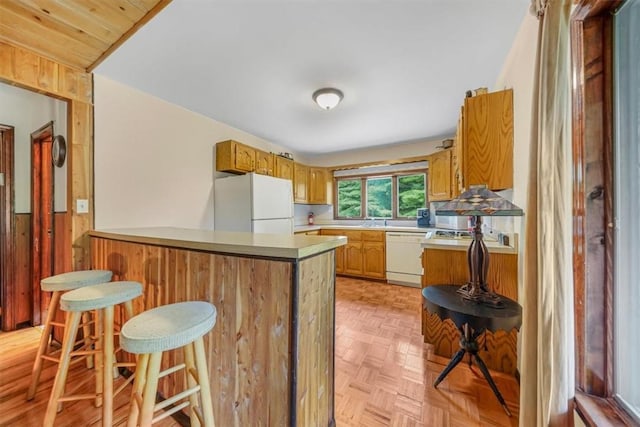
(447, 303)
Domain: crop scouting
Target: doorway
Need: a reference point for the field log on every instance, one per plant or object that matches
(6, 228)
(42, 220)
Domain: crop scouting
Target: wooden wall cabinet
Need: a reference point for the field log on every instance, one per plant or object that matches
(264, 163)
(317, 186)
(450, 267)
(284, 168)
(235, 157)
(300, 183)
(439, 177)
(486, 142)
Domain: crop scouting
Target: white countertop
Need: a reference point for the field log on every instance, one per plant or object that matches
(305, 228)
(463, 244)
(255, 244)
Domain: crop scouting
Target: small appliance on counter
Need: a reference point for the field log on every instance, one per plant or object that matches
(423, 217)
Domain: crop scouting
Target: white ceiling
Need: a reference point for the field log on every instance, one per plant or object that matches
(403, 65)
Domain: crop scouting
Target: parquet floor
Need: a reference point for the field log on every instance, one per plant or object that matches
(384, 371)
(17, 352)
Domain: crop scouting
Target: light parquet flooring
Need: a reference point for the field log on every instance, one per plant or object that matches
(17, 352)
(384, 371)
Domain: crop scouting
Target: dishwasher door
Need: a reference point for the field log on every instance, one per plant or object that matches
(404, 258)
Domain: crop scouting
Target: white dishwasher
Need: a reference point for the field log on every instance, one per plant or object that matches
(404, 258)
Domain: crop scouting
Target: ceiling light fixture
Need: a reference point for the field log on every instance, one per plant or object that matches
(327, 98)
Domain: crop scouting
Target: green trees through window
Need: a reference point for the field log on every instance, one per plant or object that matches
(395, 196)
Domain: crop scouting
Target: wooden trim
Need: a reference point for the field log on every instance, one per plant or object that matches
(143, 21)
(379, 163)
(601, 412)
(7, 230)
(592, 55)
(592, 145)
(28, 70)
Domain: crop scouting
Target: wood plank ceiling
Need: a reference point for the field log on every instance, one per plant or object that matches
(77, 33)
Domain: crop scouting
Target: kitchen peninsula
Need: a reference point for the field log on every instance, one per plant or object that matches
(271, 352)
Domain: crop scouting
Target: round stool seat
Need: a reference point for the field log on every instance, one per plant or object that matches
(75, 280)
(167, 327)
(100, 296)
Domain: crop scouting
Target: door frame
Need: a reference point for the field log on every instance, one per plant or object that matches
(7, 228)
(40, 300)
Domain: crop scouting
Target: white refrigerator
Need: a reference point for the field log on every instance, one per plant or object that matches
(253, 203)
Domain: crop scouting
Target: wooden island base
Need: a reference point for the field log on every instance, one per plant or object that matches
(270, 353)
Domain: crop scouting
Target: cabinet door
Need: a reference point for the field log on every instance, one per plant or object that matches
(264, 163)
(488, 140)
(373, 254)
(244, 158)
(317, 186)
(353, 258)
(440, 176)
(284, 168)
(300, 183)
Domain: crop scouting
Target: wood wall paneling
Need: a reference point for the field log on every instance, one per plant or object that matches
(446, 266)
(315, 371)
(7, 228)
(22, 280)
(249, 370)
(24, 68)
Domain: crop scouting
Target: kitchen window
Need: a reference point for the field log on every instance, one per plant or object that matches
(390, 196)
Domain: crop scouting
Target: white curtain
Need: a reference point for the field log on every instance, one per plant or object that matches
(547, 368)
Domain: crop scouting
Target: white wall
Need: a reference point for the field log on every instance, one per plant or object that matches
(27, 112)
(155, 161)
(518, 72)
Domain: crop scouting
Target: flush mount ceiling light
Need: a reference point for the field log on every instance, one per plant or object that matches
(327, 98)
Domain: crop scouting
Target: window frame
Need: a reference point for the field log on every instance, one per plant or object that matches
(394, 192)
(592, 68)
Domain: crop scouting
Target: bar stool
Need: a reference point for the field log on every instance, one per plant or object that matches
(164, 328)
(102, 298)
(59, 284)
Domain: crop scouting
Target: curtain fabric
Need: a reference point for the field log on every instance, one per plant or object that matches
(547, 368)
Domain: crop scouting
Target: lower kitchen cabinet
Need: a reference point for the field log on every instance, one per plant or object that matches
(363, 255)
(353, 258)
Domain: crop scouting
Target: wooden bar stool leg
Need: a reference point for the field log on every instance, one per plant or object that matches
(203, 380)
(189, 371)
(44, 344)
(107, 372)
(86, 331)
(150, 389)
(99, 359)
(70, 332)
(138, 386)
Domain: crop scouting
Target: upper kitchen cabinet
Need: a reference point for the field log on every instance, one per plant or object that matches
(234, 157)
(439, 177)
(264, 163)
(317, 186)
(485, 143)
(300, 183)
(284, 167)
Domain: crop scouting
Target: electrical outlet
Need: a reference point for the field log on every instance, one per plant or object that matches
(82, 206)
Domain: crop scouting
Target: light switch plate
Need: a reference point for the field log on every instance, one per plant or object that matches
(82, 206)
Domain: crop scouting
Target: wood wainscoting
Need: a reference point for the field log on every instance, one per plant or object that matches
(499, 350)
(18, 307)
